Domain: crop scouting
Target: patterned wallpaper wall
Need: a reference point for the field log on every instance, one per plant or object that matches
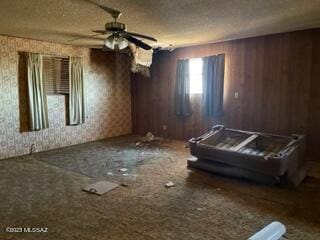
(107, 93)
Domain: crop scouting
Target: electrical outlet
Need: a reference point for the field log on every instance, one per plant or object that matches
(32, 148)
(236, 95)
(164, 127)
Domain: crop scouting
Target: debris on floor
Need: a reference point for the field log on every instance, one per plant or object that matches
(192, 158)
(274, 231)
(200, 209)
(100, 187)
(237, 212)
(169, 184)
(110, 173)
(123, 169)
(124, 185)
(148, 139)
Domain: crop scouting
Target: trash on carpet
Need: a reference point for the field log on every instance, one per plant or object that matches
(123, 169)
(274, 231)
(100, 187)
(200, 209)
(148, 139)
(149, 136)
(169, 184)
(192, 158)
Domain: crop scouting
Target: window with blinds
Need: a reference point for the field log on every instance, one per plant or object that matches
(56, 75)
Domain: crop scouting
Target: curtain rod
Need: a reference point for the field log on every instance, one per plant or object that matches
(55, 56)
(202, 56)
(47, 55)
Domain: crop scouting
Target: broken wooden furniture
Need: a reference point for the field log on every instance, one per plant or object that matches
(266, 158)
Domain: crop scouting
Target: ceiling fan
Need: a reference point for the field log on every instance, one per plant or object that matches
(119, 38)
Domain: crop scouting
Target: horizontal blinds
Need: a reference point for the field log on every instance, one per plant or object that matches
(56, 75)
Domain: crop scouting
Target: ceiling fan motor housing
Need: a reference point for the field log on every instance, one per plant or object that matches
(115, 27)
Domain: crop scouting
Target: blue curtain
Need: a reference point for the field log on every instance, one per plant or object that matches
(213, 80)
(182, 89)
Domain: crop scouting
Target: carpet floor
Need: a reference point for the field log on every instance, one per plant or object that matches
(43, 190)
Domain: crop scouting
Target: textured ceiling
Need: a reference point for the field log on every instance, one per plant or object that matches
(176, 22)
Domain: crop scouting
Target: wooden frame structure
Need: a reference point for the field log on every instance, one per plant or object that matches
(262, 157)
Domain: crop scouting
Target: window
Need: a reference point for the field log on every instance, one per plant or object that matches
(56, 75)
(195, 72)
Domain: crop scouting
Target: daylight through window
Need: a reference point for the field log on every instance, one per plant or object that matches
(195, 72)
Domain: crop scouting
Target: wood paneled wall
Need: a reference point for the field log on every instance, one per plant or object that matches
(276, 77)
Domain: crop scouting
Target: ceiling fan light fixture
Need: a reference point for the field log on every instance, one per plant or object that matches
(110, 42)
(120, 37)
(118, 43)
(122, 43)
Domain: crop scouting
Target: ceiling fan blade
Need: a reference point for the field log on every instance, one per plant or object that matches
(103, 48)
(101, 32)
(140, 35)
(83, 37)
(95, 46)
(138, 42)
(114, 13)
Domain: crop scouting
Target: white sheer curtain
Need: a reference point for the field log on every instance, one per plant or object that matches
(76, 98)
(36, 93)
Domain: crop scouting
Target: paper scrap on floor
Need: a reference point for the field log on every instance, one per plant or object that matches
(100, 187)
(169, 184)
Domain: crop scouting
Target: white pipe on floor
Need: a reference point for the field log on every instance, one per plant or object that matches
(274, 231)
